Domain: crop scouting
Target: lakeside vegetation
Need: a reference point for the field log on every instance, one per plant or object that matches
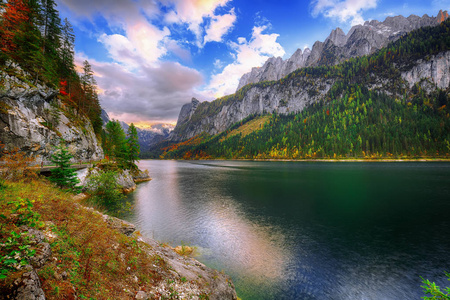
(97, 262)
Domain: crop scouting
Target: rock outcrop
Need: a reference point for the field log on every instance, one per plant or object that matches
(34, 120)
(196, 278)
(28, 285)
(338, 46)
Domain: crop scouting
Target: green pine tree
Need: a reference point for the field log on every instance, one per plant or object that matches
(133, 146)
(64, 176)
(117, 143)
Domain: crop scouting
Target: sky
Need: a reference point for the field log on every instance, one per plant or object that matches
(152, 56)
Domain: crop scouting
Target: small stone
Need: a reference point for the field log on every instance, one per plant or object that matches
(141, 295)
(64, 275)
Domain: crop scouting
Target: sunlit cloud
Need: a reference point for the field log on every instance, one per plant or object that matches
(220, 25)
(194, 13)
(247, 54)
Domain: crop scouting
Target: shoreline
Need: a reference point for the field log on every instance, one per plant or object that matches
(317, 159)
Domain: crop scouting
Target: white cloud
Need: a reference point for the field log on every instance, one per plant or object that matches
(343, 11)
(195, 12)
(220, 25)
(247, 54)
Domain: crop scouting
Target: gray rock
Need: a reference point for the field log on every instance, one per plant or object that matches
(27, 287)
(436, 69)
(120, 225)
(35, 236)
(126, 181)
(43, 253)
(197, 278)
(360, 40)
(29, 110)
(141, 295)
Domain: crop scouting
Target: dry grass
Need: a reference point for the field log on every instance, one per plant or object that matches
(249, 127)
(100, 263)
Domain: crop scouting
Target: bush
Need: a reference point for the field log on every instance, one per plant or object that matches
(16, 165)
(106, 193)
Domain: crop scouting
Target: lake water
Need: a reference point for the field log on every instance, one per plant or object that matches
(305, 230)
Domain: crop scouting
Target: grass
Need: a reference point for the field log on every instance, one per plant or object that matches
(100, 263)
(247, 128)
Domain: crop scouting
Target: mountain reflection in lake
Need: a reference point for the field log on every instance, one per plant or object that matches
(304, 230)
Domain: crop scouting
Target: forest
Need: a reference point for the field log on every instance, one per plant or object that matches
(33, 36)
(353, 120)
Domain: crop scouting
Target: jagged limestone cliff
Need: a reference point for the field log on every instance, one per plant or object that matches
(338, 46)
(33, 119)
(293, 94)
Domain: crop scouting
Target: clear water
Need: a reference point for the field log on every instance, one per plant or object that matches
(299, 230)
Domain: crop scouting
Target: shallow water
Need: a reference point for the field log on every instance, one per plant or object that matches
(305, 230)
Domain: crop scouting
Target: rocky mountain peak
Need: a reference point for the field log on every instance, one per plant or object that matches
(337, 36)
(338, 46)
(442, 16)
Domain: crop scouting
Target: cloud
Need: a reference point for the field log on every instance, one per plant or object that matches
(154, 93)
(343, 11)
(194, 13)
(220, 25)
(247, 54)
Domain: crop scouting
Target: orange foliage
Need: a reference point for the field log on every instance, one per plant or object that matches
(15, 165)
(190, 142)
(14, 16)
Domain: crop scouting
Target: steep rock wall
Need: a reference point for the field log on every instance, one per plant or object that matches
(34, 120)
(292, 95)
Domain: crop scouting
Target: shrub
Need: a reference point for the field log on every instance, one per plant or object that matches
(17, 165)
(105, 191)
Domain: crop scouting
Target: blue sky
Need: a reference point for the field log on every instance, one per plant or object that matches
(152, 56)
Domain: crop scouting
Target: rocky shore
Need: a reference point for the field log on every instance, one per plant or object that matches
(183, 275)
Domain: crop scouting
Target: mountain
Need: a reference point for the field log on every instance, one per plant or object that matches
(398, 70)
(392, 102)
(338, 46)
(148, 137)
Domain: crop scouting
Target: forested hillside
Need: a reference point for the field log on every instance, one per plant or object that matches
(33, 37)
(370, 111)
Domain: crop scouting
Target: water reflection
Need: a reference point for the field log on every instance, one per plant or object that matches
(305, 230)
(198, 210)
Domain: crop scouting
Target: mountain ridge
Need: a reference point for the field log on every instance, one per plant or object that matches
(338, 46)
(394, 70)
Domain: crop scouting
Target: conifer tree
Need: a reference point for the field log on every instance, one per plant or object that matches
(133, 146)
(63, 176)
(117, 143)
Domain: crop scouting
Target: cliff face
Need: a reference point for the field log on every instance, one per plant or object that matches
(34, 120)
(292, 95)
(338, 46)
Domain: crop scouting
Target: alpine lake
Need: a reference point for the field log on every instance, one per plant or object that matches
(304, 230)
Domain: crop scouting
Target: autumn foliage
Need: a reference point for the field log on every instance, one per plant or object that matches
(14, 17)
(16, 165)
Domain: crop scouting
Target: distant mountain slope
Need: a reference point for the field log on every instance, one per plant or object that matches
(147, 136)
(421, 57)
(338, 46)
